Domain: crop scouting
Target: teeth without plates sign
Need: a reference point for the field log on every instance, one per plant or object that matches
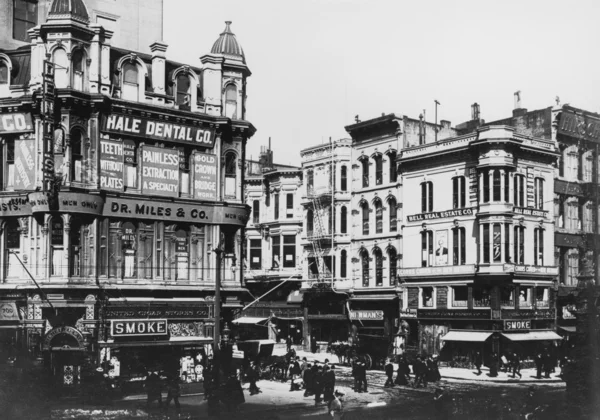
(111, 165)
(205, 176)
(160, 171)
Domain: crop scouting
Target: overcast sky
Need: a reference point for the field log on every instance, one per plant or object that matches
(317, 64)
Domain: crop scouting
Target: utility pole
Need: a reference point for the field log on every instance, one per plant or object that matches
(436, 127)
(217, 330)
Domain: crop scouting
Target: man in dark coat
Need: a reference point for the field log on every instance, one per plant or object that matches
(173, 392)
(234, 393)
(153, 389)
(403, 376)
(289, 342)
(318, 384)
(363, 386)
(313, 344)
(494, 365)
(516, 362)
(355, 375)
(539, 364)
(308, 377)
(420, 369)
(328, 383)
(547, 359)
(389, 371)
(295, 372)
(478, 361)
(252, 374)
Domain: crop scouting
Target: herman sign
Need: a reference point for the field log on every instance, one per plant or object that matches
(158, 130)
(366, 315)
(138, 327)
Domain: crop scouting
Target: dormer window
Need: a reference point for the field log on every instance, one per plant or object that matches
(78, 70)
(131, 87)
(61, 68)
(183, 90)
(231, 102)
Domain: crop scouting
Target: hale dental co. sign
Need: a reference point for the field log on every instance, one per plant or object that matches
(158, 130)
(138, 327)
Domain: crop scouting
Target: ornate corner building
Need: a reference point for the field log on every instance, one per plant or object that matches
(121, 173)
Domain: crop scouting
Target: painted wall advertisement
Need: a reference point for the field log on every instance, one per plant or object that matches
(111, 165)
(205, 176)
(441, 250)
(160, 171)
(24, 165)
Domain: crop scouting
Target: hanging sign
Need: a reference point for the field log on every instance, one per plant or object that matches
(8, 311)
(205, 176)
(24, 165)
(158, 130)
(111, 165)
(160, 171)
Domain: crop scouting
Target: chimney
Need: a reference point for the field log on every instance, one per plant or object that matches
(158, 66)
(445, 124)
(475, 112)
(518, 110)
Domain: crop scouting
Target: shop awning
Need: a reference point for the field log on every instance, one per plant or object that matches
(472, 336)
(289, 318)
(569, 329)
(533, 336)
(374, 297)
(295, 297)
(249, 320)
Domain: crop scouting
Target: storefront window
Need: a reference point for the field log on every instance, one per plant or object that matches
(56, 246)
(481, 297)
(12, 243)
(197, 254)
(460, 296)
(542, 297)
(427, 297)
(525, 297)
(289, 251)
(507, 296)
(276, 251)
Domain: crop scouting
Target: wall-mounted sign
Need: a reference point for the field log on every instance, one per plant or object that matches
(536, 269)
(470, 211)
(579, 126)
(158, 130)
(16, 122)
(138, 327)
(528, 313)
(68, 202)
(69, 331)
(111, 165)
(205, 176)
(453, 314)
(181, 242)
(366, 315)
(514, 325)
(128, 236)
(8, 311)
(530, 212)
(428, 271)
(198, 311)
(409, 313)
(14, 206)
(129, 154)
(24, 165)
(209, 214)
(160, 171)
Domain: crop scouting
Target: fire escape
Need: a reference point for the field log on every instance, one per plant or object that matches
(321, 237)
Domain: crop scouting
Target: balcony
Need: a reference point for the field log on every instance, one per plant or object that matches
(446, 270)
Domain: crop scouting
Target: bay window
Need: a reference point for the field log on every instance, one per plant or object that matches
(542, 299)
(481, 297)
(77, 64)
(427, 298)
(507, 297)
(525, 295)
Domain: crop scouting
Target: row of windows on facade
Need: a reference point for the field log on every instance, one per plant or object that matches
(392, 208)
(496, 245)
(496, 189)
(289, 207)
(154, 250)
(570, 213)
(79, 167)
(458, 297)
(378, 163)
(569, 261)
(576, 163)
(283, 253)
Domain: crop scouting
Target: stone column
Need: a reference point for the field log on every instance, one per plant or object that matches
(481, 195)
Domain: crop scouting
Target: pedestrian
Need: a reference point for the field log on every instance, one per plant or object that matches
(441, 405)
(318, 384)
(308, 376)
(289, 342)
(303, 366)
(313, 344)
(253, 375)
(173, 393)
(516, 362)
(389, 371)
(420, 369)
(539, 364)
(153, 389)
(207, 381)
(355, 375)
(436, 375)
(494, 365)
(335, 406)
(478, 360)
(294, 374)
(234, 393)
(363, 376)
(403, 376)
(328, 383)
(547, 359)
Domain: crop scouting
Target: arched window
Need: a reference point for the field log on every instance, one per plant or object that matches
(378, 255)
(344, 220)
(393, 167)
(61, 68)
(343, 263)
(393, 214)
(344, 179)
(364, 257)
(77, 61)
(4, 73)
(12, 247)
(76, 156)
(230, 175)
(184, 96)
(393, 258)
(365, 218)
(378, 169)
(309, 222)
(378, 216)
(231, 102)
(130, 89)
(365, 172)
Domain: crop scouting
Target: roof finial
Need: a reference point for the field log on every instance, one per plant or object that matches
(227, 26)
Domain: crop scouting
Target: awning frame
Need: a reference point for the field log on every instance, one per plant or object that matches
(532, 335)
(469, 336)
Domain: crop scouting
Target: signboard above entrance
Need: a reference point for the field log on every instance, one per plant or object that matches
(16, 122)
(138, 327)
(517, 325)
(366, 315)
(158, 130)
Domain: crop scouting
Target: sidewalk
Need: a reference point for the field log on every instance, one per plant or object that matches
(310, 357)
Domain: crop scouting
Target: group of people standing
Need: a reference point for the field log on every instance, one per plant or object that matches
(424, 368)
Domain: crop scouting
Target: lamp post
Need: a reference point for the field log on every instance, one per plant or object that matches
(217, 330)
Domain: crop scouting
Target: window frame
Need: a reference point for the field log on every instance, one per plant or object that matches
(459, 246)
(288, 247)
(365, 267)
(538, 246)
(187, 95)
(365, 218)
(421, 304)
(344, 178)
(378, 259)
(538, 189)
(426, 197)
(344, 220)
(378, 169)
(365, 172)
(427, 248)
(378, 207)
(289, 205)
(28, 24)
(133, 92)
(393, 217)
(452, 301)
(459, 192)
